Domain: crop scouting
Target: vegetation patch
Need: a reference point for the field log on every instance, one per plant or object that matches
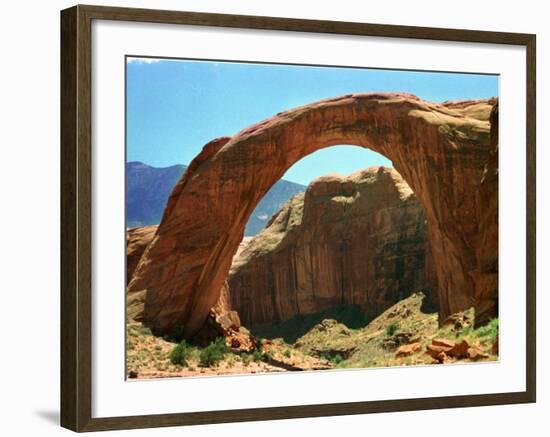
(490, 330)
(401, 335)
(259, 355)
(334, 358)
(212, 354)
(391, 329)
(181, 354)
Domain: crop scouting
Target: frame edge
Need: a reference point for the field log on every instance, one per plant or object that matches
(76, 189)
(75, 132)
(68, 231)
(531, 212)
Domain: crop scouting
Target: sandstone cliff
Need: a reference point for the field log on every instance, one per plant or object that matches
(348, 240)
(137, 240)
(221, 320)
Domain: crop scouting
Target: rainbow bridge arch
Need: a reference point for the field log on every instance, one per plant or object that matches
(447, 153)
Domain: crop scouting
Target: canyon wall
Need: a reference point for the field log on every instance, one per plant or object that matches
(137, 240)
(347, 240)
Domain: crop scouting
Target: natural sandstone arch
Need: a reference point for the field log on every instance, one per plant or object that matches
(443, 151)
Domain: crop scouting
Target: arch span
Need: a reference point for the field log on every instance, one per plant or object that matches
(444, 151)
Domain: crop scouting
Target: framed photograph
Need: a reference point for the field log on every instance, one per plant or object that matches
(305, 218)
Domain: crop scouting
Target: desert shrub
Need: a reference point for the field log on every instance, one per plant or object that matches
(391, 329)
(213, 353)
(144, 330)
(245, 358)
(181, 354)
(287, 353)
(489, 330)
(258, 355)
(332, 357)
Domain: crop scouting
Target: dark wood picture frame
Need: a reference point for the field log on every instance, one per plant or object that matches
(76, 217)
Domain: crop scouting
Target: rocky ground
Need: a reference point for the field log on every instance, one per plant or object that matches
(401, 335)
(150, 357)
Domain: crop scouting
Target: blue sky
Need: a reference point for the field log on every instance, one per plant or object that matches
(174, 107)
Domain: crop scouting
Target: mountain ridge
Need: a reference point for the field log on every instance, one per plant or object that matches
(148, 189)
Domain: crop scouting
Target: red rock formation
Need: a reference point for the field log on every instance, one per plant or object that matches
(137, 239)
(221, 321)
(485, 275)
(441, 349)
(441, 150)
(407, 349)
(347, 240)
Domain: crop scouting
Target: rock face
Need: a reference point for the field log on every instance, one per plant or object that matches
(485, 275)
(137, 240)
(221, 320)
(274, 199)
(348, 240)
(443, 151)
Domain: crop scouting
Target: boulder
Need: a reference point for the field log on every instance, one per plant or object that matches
(436, 351)
(475, 353)
(408, 349)
(459, 350)
(222, 321)
(441, 342)
(442, 349)
(439, 349)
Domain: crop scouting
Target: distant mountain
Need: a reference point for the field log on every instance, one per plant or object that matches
(272, 202)
(148, 188)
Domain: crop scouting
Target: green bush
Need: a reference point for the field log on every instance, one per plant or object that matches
(245, 359)
(213, 353)
(258, 355)
(489, 330)
(181, 354)
(333, 358)
(391, 329)
(144, 330)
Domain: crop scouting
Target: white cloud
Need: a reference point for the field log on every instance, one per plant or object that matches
(142, 60)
